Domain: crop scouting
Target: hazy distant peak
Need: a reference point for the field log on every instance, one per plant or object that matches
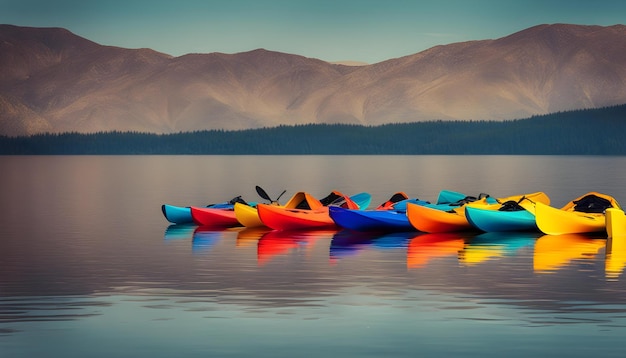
(350, 63)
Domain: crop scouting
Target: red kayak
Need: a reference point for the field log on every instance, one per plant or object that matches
(214, 217)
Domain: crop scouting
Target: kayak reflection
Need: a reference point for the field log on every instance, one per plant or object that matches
(615, 260)
(250, 235)
(553, 252)
(206, 237)
(179, 232)
(495, 245)
(347, 243)
(282, 242)
(423, 248)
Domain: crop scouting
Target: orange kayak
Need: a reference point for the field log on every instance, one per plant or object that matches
(427, 219)
(303, 211)
(446, 217)
(452, 217)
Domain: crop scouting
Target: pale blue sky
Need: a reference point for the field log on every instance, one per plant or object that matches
(331, 30)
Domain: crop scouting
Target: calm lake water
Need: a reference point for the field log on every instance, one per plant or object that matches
(90, 268)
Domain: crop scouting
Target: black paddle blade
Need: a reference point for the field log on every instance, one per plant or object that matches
(262, 193)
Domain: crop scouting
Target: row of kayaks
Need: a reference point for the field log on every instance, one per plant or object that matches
(453, 211)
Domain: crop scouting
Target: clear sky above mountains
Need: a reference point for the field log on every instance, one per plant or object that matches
(332, 30)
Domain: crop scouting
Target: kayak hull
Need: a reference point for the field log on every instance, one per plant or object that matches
(569, 219)
(615, 223)
(501, 217)
(433, 220)
(500, 221)
(370, 220)
(281, 218)
(182, 214)
(247, 216)
(553, 221)
(214, 217)
(177, 214)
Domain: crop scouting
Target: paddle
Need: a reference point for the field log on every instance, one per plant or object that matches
(281, 194)
(527, 204)
(263, 194)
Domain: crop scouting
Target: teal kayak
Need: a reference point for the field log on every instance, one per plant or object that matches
(182, 214)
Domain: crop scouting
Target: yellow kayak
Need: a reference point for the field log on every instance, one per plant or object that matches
(584, 214)
(616, 243)
(615, 223)
(247, 216)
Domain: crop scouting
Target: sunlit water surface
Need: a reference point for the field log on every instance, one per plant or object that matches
(90, 268)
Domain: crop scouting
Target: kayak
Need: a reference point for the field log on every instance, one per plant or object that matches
(449, 197)
(362, 200)
(584, 214)
(388, 216)
(615, 244)
(303, 211)
(248, 216)
(221, 216)
(517, 213)
(372, 220)
(214, 217)
(443, 217)
(615, 223)
(182, 214)
(177, 214)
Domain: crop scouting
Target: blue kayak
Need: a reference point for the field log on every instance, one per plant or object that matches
(389, 216)
(499, 221)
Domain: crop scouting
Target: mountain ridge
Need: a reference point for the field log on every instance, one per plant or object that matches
(54, 81)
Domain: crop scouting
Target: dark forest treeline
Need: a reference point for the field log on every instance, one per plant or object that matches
(584, 132)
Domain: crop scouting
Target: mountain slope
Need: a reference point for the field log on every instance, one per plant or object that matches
(54, 81)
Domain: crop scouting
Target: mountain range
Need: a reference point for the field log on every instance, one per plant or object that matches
(52, 80)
